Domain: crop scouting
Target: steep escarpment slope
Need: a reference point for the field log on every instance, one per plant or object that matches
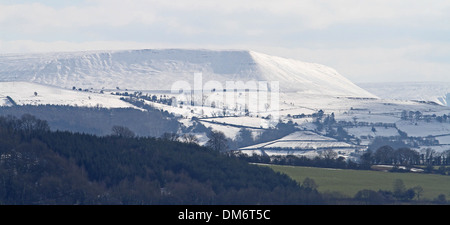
(159, 69)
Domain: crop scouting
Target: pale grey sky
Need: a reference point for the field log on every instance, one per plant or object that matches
(366, 41)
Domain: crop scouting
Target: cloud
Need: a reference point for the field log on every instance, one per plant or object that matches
(319, 14)
(30, 46)
(36, 16)
(305, 14)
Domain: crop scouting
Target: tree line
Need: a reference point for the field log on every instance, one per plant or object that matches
(419, 116)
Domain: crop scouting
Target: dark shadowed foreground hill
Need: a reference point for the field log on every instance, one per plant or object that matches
(39, 166)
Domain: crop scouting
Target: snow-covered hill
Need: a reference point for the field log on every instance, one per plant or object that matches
(438, 92)
(159, 69)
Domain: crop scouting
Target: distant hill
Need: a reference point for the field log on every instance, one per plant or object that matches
(159, 69)
(438, 92)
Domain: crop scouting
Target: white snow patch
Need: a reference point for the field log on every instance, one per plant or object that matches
(25, 93)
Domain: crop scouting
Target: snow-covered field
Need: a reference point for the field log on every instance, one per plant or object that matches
(26, 93)
(308, 145)
(423, 129)
(444, 140)
(367, 131)
(301, 143)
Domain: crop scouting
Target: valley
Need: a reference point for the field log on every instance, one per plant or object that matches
(323, 110)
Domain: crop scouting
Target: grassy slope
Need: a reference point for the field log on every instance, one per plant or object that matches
(349, 182)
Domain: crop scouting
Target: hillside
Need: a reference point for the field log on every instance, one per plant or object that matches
(159, 69)
(98, 121)
(28, 93)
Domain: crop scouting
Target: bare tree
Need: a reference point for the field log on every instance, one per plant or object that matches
(190, 138)
(328, 154)
(244, 137)
(428, 155)
(170, 136)
(29, 123)
(122, 131)
(406, 156)
(418, 190)
(217, 141)
(384, 154)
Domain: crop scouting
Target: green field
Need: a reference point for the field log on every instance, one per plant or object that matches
(349, 182)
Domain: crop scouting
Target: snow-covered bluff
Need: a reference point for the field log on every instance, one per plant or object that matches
(159, 69)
